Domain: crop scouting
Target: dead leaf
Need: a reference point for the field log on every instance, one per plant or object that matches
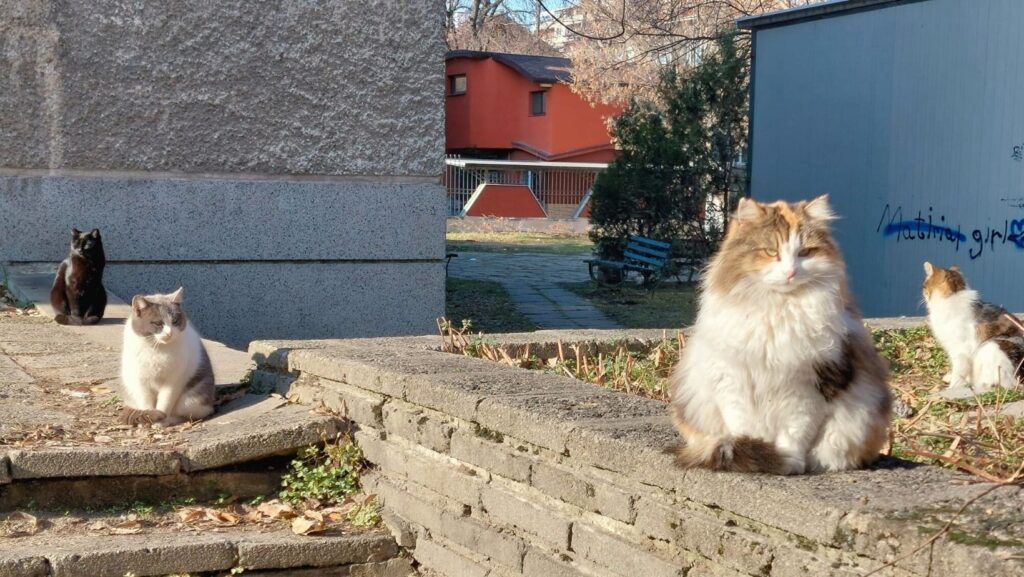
(222, 518)
(276, 509)
(191, 514)
(19, 524)
(101, 390)
(103, 439)
(307, 526)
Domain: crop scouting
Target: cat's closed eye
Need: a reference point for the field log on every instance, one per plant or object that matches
(808, 251)
(158, 324)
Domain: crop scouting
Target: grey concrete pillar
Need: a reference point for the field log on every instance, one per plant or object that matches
(280, 160)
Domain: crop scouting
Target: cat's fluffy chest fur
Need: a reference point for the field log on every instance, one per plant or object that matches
(149, 365)
(775, 333)
(952, 321)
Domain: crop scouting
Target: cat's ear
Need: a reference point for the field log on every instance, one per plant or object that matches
(95, 233)
(75, 232)
(748, 210)
(929, 270)
(139, 303)
(955, 268)
(177, 295)
(819, 209)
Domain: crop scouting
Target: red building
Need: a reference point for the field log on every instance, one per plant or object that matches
(520, 107)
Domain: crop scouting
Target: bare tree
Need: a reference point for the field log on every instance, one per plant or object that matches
(622, 47)
(495, 25)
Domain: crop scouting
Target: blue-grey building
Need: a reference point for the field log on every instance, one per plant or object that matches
(910, 114)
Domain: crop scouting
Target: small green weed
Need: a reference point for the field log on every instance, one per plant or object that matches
(327, 473)
(176, 502)
(365, 515)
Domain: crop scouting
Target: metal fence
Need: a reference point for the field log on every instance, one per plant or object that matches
(558, 186)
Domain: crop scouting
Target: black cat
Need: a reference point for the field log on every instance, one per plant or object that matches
(78, 296)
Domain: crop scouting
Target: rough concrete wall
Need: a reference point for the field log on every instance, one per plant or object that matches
(208, 140)
(242, 301)
(167, 220)
(329, 88)
(486, 469)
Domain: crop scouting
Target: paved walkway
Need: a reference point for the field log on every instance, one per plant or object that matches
(532, 281)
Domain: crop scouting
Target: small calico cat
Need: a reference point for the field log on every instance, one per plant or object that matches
(984, 342)
(78, 296)
(166, 374)
(779, 374)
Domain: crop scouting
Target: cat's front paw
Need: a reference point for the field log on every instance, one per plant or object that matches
(946, 378)
(792, 464)
(170, 421)
(958, 382)
(130, 416)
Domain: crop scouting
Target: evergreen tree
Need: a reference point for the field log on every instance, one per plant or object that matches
(674, 178)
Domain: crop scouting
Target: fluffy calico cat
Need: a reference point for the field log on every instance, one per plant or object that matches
(779, 374)
(78, 296)
(984, 342)
(166, 374)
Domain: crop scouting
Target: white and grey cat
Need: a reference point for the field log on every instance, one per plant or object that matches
(779, 374)
(166, 373)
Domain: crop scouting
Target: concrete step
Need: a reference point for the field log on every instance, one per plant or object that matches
(61, 444)
(242, 451)
(98, 547)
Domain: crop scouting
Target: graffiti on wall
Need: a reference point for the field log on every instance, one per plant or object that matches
(936, 228)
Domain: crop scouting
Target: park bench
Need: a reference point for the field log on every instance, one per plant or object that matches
(643, 255)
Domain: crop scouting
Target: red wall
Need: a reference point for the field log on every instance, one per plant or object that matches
(495, 113)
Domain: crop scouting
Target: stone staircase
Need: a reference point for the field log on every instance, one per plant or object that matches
(69, 471)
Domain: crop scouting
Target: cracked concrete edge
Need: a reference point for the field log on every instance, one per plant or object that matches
(165, 554)
(282, 441)
(58, 462)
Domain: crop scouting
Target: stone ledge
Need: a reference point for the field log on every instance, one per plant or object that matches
(537, 444)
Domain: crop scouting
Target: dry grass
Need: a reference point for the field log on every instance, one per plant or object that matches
(967, 434)
(519, 242)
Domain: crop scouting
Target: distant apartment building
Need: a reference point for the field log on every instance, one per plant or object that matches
(557, 33)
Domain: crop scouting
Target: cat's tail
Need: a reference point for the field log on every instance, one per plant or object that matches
(739, 454)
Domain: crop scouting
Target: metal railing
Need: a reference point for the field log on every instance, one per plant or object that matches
(558, 186)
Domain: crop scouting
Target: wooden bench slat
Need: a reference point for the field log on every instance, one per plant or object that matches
(659, 263)
(655, 252)
(650, 241)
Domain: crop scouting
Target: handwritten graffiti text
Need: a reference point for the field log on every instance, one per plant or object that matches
(928, 228)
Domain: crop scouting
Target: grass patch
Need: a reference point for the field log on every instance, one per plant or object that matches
(518, 242)
(966, 434)
(668, 305)
(486, 305)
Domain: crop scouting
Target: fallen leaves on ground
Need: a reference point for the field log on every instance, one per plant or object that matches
(308, 518)
(19, 524)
